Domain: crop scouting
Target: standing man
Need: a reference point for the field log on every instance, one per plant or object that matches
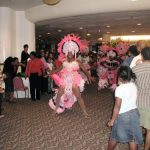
(34, 71)
(24, 58)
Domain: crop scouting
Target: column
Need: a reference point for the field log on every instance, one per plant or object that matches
(7, 32)
(15, 31)
(25, 33)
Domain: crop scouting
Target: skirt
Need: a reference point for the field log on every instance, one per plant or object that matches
(127, 129)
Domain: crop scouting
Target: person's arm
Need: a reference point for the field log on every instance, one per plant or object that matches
(27, 71)
(56, 70)
(21, 64)
(85, 71)
(116, 110)
(42, 67)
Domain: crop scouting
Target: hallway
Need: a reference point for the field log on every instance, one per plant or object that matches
(30, 125)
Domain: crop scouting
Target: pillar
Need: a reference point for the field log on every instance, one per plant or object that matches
(15, 31)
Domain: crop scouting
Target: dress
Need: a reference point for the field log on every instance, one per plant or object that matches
(67, 78)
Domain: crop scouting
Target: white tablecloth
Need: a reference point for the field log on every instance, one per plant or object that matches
(21, 94)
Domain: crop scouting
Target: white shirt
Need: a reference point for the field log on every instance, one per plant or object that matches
(136, 60)
(128, 94)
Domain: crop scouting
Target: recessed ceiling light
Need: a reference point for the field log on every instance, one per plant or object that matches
(108, 26)
(81, 28)
(108, 32)
(59, 30)
(100, 39)
(48, 33)
(139, 24)
(133, 31)
(88, 34)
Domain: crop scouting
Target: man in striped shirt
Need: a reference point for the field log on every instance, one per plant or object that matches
(142, 72)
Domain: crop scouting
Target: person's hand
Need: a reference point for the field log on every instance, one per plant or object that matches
(110, 123)
(25, 77)
(21, 64)
(48, 71)
(4, 76)
(51, 72)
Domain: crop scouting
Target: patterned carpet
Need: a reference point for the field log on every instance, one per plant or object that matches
(30, 125)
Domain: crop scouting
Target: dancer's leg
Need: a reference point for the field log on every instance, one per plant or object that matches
(76, 92)
(59, 94)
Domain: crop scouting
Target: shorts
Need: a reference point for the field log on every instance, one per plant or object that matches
(126, 128)
(145, 117)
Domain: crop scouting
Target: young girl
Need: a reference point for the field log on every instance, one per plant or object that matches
(125, 119)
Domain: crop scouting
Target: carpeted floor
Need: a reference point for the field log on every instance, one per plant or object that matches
(30, 125)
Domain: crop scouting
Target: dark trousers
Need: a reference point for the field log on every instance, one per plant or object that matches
(35, 86)
(44, 84)
(1, 98)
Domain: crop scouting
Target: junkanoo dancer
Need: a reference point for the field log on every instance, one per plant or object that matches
(67, 77)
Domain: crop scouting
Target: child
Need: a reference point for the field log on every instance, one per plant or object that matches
(125, 118)
(2, 85)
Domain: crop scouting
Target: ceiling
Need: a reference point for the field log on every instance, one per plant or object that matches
(20, 5)
(93, 22)
(121, 23)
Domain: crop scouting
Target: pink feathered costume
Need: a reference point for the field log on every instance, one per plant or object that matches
(67, 78)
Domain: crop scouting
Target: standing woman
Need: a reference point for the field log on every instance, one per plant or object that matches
(69, 80)
(8, 70)
(142, 72)
(34, 71)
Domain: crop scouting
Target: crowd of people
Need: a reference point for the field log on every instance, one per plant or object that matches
(132, 104)
(125, 69)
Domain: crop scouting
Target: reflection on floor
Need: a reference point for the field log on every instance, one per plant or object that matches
(30, 125)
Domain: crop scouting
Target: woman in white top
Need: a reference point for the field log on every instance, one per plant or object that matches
(125, 118)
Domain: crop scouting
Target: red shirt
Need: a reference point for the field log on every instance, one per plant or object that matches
(34, 66)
